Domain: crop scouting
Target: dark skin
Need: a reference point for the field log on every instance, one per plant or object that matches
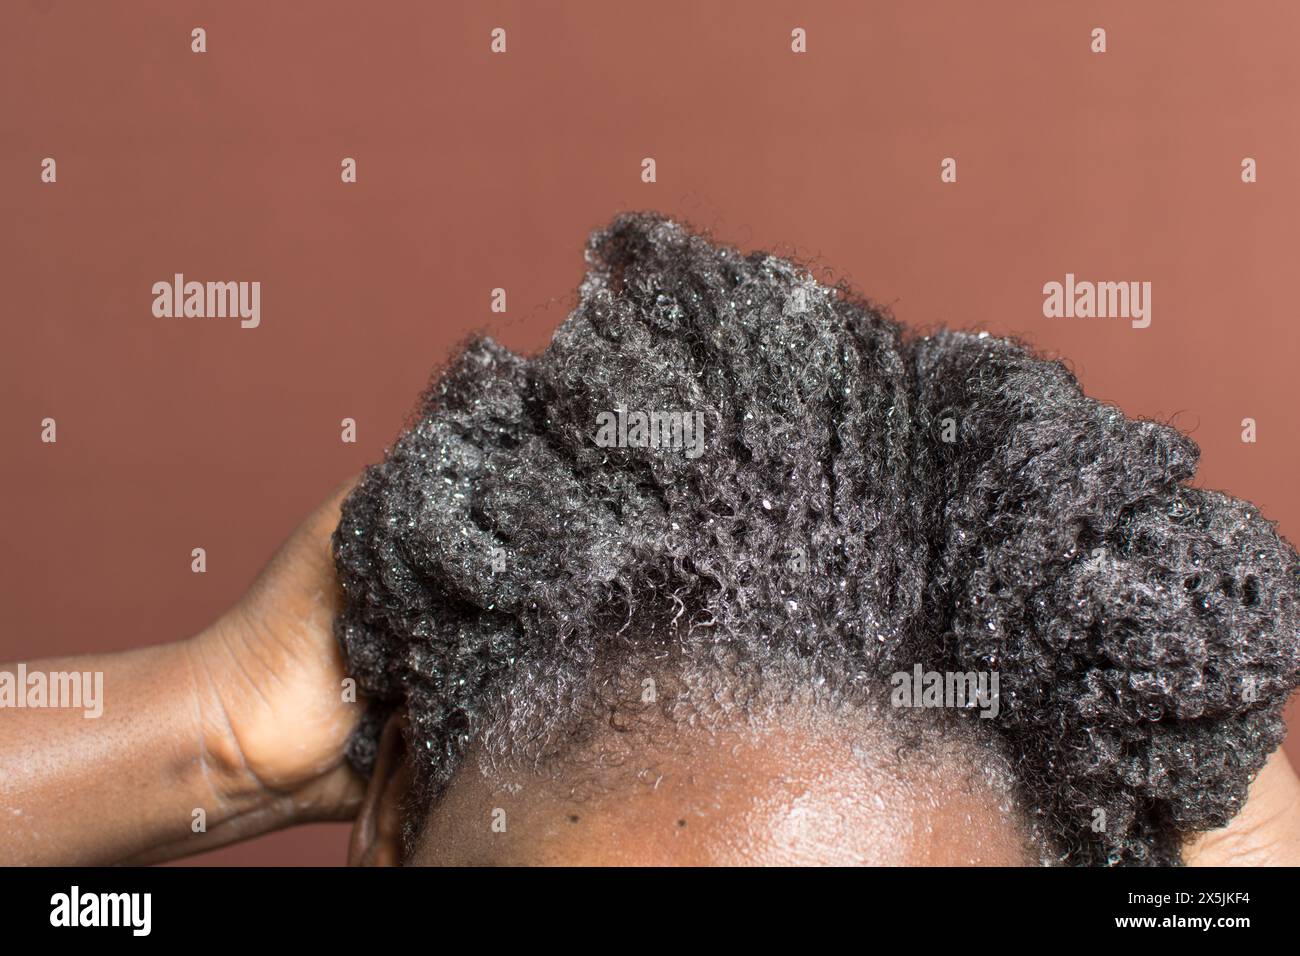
(805, 787)
(247, 721)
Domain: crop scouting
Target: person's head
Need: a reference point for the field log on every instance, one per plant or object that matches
(737, 571)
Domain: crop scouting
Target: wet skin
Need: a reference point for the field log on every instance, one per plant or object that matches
(807, 790)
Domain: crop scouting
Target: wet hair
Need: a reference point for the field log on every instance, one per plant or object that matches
(864, 500)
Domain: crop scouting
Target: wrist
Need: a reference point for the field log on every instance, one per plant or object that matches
(213, 667)
(274, 730)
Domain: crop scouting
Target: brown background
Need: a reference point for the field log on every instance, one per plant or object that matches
(478, 171)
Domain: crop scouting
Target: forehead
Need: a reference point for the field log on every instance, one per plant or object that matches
(813, 792)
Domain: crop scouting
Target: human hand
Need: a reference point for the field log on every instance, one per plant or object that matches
(271, 694)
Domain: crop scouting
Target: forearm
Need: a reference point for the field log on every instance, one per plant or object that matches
(123, 786)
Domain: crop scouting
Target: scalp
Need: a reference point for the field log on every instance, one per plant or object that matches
(865, 501)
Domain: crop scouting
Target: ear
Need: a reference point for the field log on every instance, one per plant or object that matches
(377, 833)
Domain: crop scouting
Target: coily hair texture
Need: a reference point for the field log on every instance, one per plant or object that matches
(864, 501)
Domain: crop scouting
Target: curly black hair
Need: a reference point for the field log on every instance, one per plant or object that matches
(866, 500)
